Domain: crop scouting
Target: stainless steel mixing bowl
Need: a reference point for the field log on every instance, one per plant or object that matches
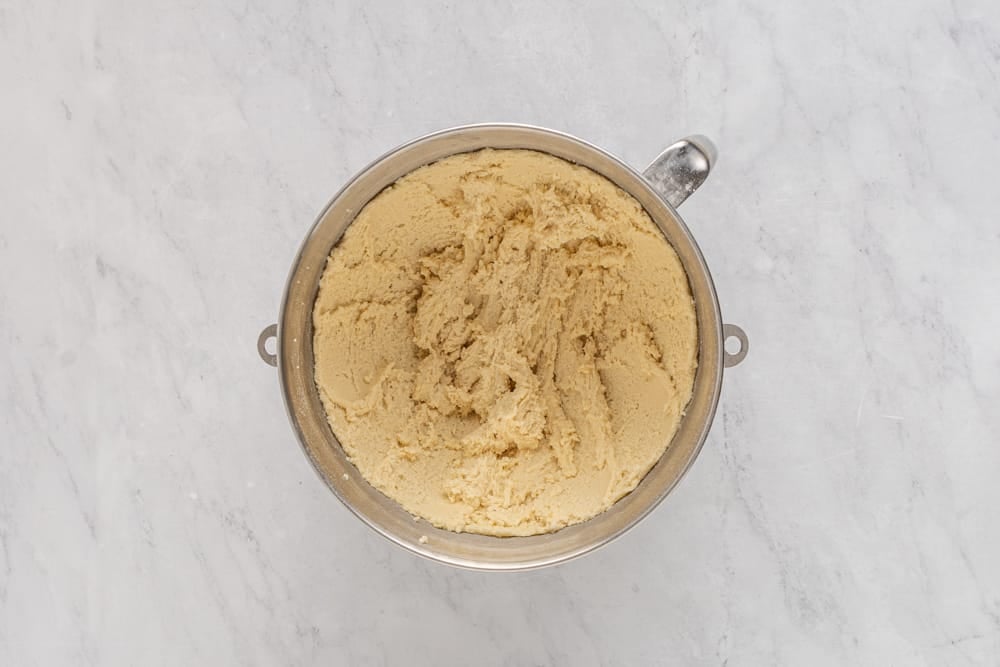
(660, 188)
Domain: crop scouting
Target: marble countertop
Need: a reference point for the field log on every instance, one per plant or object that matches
(161, 161)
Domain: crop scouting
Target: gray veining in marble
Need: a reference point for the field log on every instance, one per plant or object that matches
(161, 160)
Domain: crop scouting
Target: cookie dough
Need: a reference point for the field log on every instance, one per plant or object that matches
(504, 342)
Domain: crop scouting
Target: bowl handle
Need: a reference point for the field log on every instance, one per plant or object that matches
(265, 335)
(681, 168)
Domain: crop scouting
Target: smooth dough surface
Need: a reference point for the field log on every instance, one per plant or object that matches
(504, 342)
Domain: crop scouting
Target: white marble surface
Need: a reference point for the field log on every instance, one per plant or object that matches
(161, 160)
